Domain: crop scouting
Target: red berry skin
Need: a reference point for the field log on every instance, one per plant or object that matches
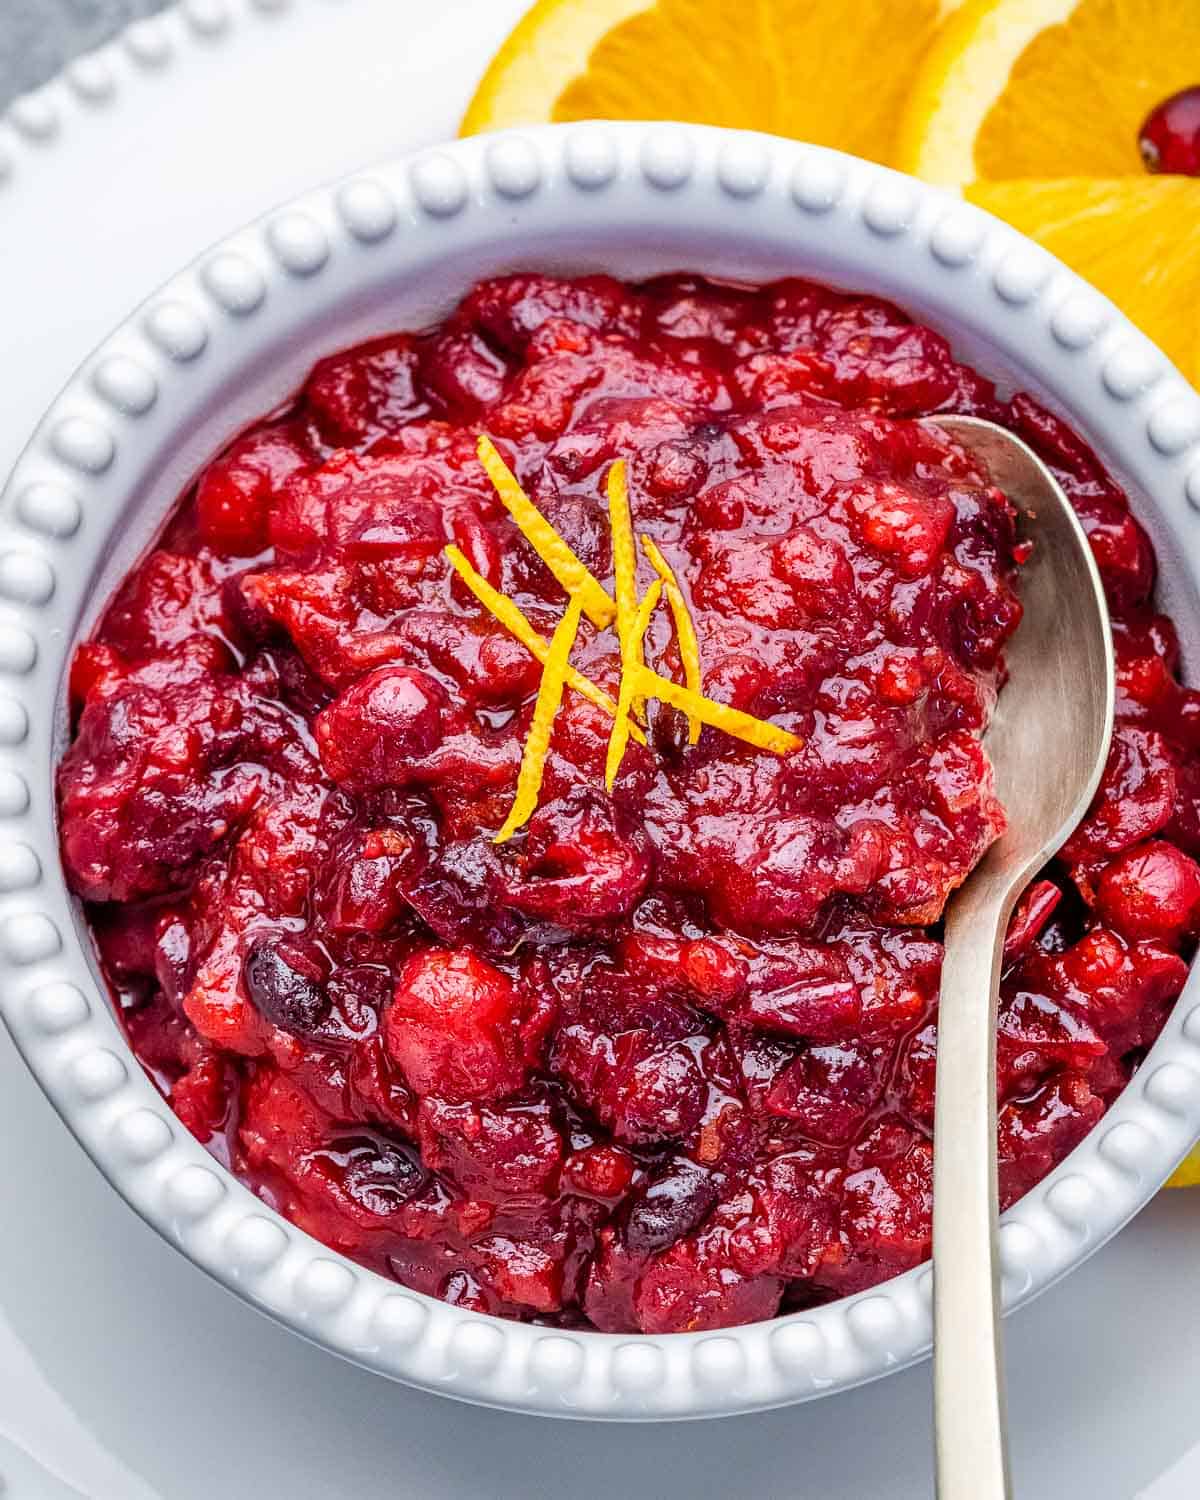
(1170, 135)
(454, 1027)
(372, 733)
(1151, 891)
(603, 1172)
(236, 491)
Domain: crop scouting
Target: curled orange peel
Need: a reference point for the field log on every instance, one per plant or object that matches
(758, 732)
(558, 556)
(537, 742)
(619, 737)
(632, 618)
(685, 628)
(508, 614)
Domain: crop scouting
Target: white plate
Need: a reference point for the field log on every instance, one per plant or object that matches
(149, 1381)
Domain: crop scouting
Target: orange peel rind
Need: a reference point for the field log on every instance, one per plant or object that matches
(619, 737)
(508, 614)
(544, 539)
(631, 618)
(685, 628)
(741, 726)
(545, 710)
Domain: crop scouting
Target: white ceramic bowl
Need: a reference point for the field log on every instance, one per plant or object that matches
(235, 334)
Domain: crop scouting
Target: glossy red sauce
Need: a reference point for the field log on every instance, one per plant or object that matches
(665, 1061)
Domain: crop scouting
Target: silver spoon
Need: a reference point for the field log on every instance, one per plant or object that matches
(1048, 742)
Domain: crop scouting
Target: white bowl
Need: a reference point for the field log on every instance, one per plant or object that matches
(234, 335)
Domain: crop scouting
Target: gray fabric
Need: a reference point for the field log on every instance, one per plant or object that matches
(38, 36)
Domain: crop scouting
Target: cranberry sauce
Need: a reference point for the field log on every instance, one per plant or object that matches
(665, 1060)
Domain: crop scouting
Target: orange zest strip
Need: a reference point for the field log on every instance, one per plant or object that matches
(625, 588)
(544, 540)
(507, 613)
(537, 742)
(719, 715)
(624, 554)
(619, 737)
(685, 629)
(625, 573)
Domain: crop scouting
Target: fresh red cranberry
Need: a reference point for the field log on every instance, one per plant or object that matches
(1169, 139)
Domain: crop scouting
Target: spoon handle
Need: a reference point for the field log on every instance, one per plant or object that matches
(969, 1408)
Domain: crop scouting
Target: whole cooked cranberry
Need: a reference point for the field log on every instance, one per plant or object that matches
(661, 1098)
(692, 1286)
(1151, 891)
(908, 529)
(492, 1153)
(672, 1206)
(372, 1177)
(511, 309)
(886, 1220)
(234, 496)
(370, 735)
(1169, 139)
(675, 470)
(817, 571)
(598, 1171)
(285, 985)
(356, 395)
(454, 1027)
(584, 862)
(463, 371)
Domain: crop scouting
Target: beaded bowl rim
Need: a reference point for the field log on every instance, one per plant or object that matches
(192, 365)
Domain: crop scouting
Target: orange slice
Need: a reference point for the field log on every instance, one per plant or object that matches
(1034, 107)
(1187, 1173)
(1136, 238)
(806, 68)
(1046, 88)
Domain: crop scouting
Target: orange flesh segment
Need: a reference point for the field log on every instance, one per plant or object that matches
(619, 737)
(537, 742)
(544, 539)
(507, 613)
(685, 629)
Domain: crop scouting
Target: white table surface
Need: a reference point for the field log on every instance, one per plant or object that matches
(124, 1373)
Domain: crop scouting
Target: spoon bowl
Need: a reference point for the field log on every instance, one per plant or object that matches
(1048, 742)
